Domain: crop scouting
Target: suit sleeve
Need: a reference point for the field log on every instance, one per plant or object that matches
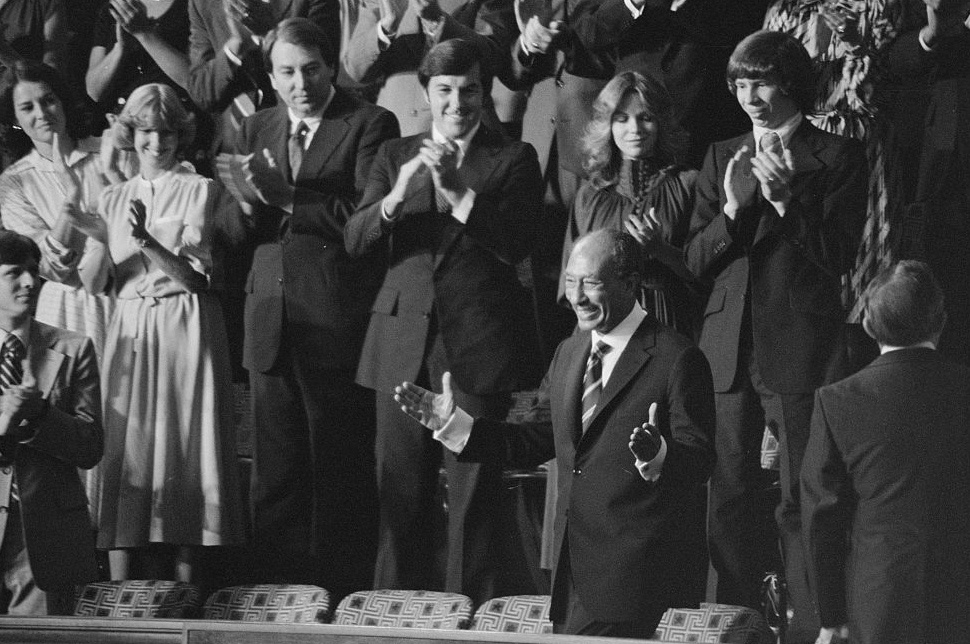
(71, 430)
(690, 445)
(826, 513)
(505, 221)
(326, 214)
(213, 79)
(367, 227)
(709, 236)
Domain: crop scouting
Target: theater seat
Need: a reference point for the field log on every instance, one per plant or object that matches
(280, 603)
(140, 598)
(514, 614)
(714, 623)
(405, 609)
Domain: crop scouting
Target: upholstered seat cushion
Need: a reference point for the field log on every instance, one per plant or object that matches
(405, 609)
(714, 623)
(137, 598)
(282, 603)
(514, 614)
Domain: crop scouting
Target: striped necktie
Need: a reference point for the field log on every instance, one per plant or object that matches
(11, 362)
(593, 381)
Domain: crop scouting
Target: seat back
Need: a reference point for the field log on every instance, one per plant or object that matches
(514, 614)
(137, 598)
(405, 609)
(281, 603)
(714, 623)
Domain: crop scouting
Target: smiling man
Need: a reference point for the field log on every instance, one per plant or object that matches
(627, 408)
(307, 302)
(777, 221)
(455, 209)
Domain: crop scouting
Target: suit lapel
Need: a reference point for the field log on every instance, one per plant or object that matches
(333, 128)
(45, 362)
(275, 138)
(634, 358)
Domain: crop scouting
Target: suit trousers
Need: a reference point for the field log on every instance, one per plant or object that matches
(313, 488)
(408, 462)
(24, 597)
(743, 539)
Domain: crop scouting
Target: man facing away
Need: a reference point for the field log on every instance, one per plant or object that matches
(628, 503)
(777, 219)
(50, 425)
(455, 211)
(307, 303)
(886, 478)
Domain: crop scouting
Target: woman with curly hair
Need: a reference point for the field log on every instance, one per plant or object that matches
(632, 146)
(168, 473)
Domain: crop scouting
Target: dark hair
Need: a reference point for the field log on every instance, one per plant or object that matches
(301, 32)
(778, 58)
(625, 256)
(454, 57)
(154, 106)
(17, 249)
(904, 305)
(603, 160)
(13, 140)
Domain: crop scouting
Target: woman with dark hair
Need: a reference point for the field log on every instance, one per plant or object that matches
(168, 473)
(632, 146)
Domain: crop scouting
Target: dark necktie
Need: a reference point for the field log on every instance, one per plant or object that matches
(297, 140)
(593, 381)
(11, 374)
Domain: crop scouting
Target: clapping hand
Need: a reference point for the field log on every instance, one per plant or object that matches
(774, 172)
(391, 14)
(67, 180)
(246, 18)
(739, 182)
(645, 439)
(646, 229)
(428, 408)
(843, 19)
(130, 15)
(138, 218)
(255, 178)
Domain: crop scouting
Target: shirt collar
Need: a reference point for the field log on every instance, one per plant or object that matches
(885, 348)
(313, 120)
(82, 149)
(22, 331)
(620, 335)
(785, 131)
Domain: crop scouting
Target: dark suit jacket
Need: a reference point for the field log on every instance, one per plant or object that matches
(54, 506)
(885, 483)
(632, 543)
(465, 274)
(302, 285)
(785, 270)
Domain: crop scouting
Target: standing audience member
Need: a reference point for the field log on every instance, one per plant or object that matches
(455, 211)
(314, 496)
(886, 477)
(635, 184)
(776, 224)
(169, 472)
(633, 502)
(42, 126)
(935, 226)
(847, 41)
(50, 421)
(392, 36)
(33, 30)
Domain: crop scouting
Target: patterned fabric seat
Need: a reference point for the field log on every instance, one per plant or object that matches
(714, 623)
(283, 603)
(137, 598)
(514, 614)
(405, 609)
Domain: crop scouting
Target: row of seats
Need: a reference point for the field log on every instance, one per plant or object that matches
(390, 608)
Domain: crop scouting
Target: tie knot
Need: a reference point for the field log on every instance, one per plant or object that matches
(771, 142)
(301, 130)
(601, 349)
(13, 347)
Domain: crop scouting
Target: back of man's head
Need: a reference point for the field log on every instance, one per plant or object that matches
(18, 249)
(904, 305)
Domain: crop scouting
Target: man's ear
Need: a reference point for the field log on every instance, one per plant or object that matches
(867, 327)
(427, 96)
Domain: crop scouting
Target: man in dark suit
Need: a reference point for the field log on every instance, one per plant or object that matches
(314, 504)
(455, 210)
(50, 425)
(886, 477)
(777, 219)
(629, 504)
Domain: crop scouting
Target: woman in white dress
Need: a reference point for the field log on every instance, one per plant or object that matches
(39, 118)
(169, 479)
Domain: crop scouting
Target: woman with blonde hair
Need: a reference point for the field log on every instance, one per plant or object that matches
(168, 473)
(632, 146)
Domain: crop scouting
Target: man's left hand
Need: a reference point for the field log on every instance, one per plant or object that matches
(645, 439)
(442, 160)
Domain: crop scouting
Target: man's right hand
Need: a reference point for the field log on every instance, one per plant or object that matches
(395, 197)
(739, 182)
(246, 18)
(537, 38)
(428, 408)
(391, 13)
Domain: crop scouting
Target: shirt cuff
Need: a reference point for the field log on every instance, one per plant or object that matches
(464, 207)
(635, 11)
(650, 470)
(922, 43)
(233, 58)
(58, 254)
(383, 38)
(454, 434)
